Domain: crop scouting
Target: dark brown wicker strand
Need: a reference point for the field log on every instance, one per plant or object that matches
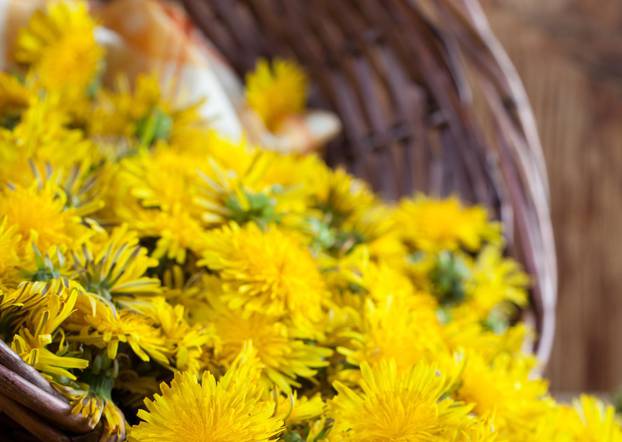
(13, 362)
(23, 392)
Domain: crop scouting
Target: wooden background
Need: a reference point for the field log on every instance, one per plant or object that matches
(569, 54)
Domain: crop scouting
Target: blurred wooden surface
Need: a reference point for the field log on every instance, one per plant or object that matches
(569, 54)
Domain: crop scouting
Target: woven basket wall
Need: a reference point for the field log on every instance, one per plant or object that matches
(429, 102)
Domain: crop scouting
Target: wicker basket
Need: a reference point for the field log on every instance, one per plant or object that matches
(428, 100)
(405, 78)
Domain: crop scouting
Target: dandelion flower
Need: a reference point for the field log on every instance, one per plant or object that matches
(185, 341)
(115, 264)
(59, 43)
(392, 330)
(284, 357)
(14, 99)
(504, 390)
(42, 142)
(295, 409)
(433, 225)
(234, 408)
(9, 260)
(44, 306)
(143, 115)
(399, 406)
(594, 421)
(266, 271)
(40, 215)
(275, 91)
(97, 323)
(494, 279)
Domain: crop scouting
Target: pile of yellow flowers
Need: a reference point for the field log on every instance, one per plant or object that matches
(199, 289)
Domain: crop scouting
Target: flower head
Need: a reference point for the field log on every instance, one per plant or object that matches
(594, 421)
(233, 408)
(284, 356)
(99, 324)
(504, 391)
(39, 309)
(266, 271)
(406, 334)
(276, 90)
(59, 43)
(9, 245)
(399, 406)
(142, 115)
(432, 225)
(494, 280)
(41, 216)
(14, 99)
(115, 264)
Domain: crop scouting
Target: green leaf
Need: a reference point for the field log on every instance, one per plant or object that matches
(448, 277)
(156, 125)
(261, 208)
(293, 436)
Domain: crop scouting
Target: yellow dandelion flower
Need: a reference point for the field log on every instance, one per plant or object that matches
(178, 233)
(411, 405)
(242, 183)
(245, 196)
(232, 155)
(154, 194)
(284, 357)
(296, 410)
(185, 289)
(494, 279)
(14, 99)
(143, 114)
(594, 421)
(392, 330)
(115, 264)
(162, 178)
(40, 215)
(552, 425)
(15, 304)
(9, 260)
(186, 341)
(117, 113)
(276, 90)
(32, 349)
(377, 229)
(231, 409)
(59, 43)
(469, 333)
(341, 195)
(97, 323)
(41, 140)
(44, 308)
(384, 282)
(431, 225)
(266, 271)
(505, 391)
(294, 171)
(344, 273)
(94, 402)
